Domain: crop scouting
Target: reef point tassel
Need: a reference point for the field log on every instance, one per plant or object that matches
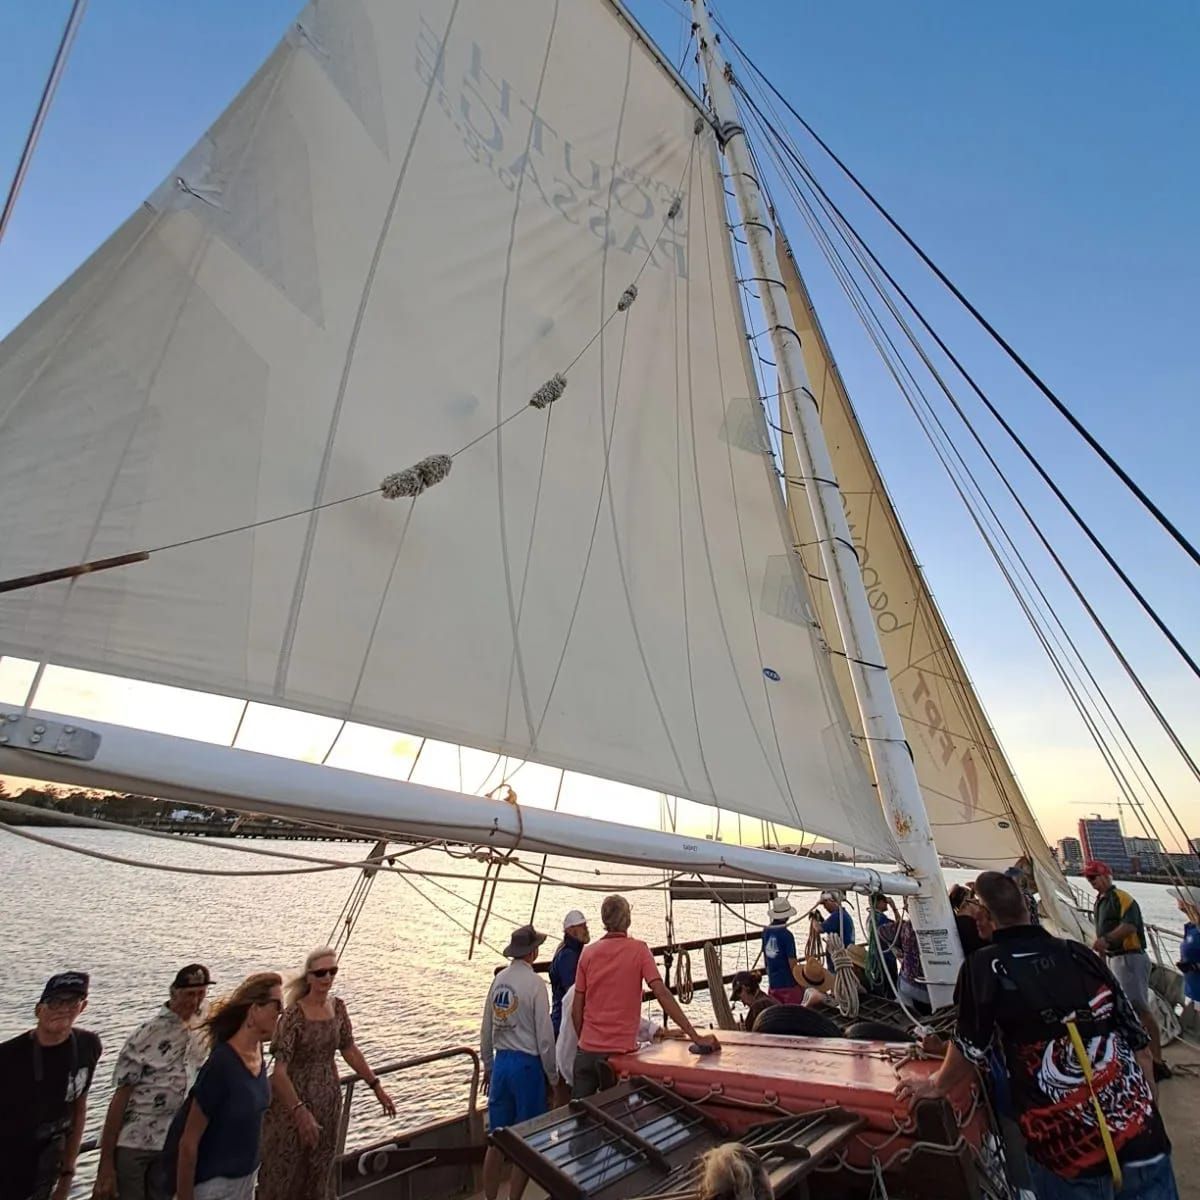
(628, 296)
(412, 481)
(549, 392)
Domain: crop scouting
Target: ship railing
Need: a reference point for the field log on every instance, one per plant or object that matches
(350, 1082)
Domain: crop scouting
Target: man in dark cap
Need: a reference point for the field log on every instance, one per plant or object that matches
(155, 1070)
(517, 1044)
(44, 1079)
(745, 987)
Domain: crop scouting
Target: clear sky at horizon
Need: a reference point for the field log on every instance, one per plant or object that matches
(1043, 154)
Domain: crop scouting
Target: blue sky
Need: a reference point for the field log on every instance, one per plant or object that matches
(1043, 154)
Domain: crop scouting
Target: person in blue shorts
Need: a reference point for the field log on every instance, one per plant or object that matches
(517, 1044)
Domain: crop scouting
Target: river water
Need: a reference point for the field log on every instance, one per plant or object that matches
(406, 977)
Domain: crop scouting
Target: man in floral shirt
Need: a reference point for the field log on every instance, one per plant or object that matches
(157, 1067)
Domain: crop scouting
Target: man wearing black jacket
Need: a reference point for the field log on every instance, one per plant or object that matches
(1076, 1056)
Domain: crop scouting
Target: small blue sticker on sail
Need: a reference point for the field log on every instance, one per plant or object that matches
(771, 674)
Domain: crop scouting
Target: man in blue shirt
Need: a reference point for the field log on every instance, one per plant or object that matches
(839, 921)
(779, 953)
(565, 962)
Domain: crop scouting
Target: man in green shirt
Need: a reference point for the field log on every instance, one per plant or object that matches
(1121, 941)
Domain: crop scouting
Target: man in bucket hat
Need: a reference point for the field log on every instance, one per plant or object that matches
(779, 953)
(517, 1044)
(46, 1074)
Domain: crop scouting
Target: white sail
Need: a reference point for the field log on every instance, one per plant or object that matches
(979, 814)
(409, 220)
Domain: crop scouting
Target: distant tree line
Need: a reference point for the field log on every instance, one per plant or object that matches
(120, 807)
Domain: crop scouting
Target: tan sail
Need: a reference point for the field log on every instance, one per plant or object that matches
(980, 816)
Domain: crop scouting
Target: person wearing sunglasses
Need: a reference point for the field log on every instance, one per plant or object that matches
(213, 1148)
(45, 1075)
(300, 1135)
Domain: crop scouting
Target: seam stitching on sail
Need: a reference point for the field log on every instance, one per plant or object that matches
(293, 617)
(383, 595)
(621, 564)
(687, 637)
(785, 789)
(54, 633)
(501, 513)
(612, 506)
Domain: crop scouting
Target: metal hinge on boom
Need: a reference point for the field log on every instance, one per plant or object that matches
(20, 731)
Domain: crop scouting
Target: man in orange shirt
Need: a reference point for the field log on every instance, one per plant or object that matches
(608, 999)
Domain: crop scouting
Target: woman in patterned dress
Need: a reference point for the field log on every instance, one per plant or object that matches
(300, 1132)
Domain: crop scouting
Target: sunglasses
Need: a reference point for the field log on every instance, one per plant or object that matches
(325, 972)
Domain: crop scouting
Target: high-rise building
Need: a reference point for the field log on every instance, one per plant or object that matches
(1148, 853)
(1100, 837)
(1070, 854)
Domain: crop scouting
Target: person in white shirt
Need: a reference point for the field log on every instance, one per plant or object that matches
(568, 1039)
(517, 1046)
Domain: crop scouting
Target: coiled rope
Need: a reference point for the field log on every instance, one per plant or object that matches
(685, 989)
(846, 987)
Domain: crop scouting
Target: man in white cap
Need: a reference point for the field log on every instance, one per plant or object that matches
(565, 963)
(517, 1047)
(779, 953)
(839, 921)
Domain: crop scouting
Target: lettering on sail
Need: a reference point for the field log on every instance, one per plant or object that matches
(938, 737)
(623, 208)
(886, 619)
(929, 721)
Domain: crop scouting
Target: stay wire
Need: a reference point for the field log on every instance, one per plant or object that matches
(1130, 671)
(1017, 440)
(933, 370)
(1162, 519)
(831, 253)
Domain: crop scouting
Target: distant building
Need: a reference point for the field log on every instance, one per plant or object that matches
(1195, 845)
(1100, 837)
(1146, 855)
(1070, 854)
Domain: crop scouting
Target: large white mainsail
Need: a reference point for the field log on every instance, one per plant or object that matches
(976, 807)
(402, 227)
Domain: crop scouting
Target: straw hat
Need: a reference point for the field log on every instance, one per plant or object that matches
(810, 973)
(780, 907)
(858, 955)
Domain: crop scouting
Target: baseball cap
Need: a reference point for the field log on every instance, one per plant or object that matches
(574, 917)
(743, 979)
(193, 975)
(1096, 866)
(65, 985)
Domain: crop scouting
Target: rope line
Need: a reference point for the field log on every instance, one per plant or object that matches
(1034, 377)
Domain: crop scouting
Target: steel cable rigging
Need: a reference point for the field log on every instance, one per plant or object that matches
(1160, 517)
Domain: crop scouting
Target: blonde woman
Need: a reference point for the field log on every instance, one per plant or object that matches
(734, 1172)
(300, 1133)
(212, 1150)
